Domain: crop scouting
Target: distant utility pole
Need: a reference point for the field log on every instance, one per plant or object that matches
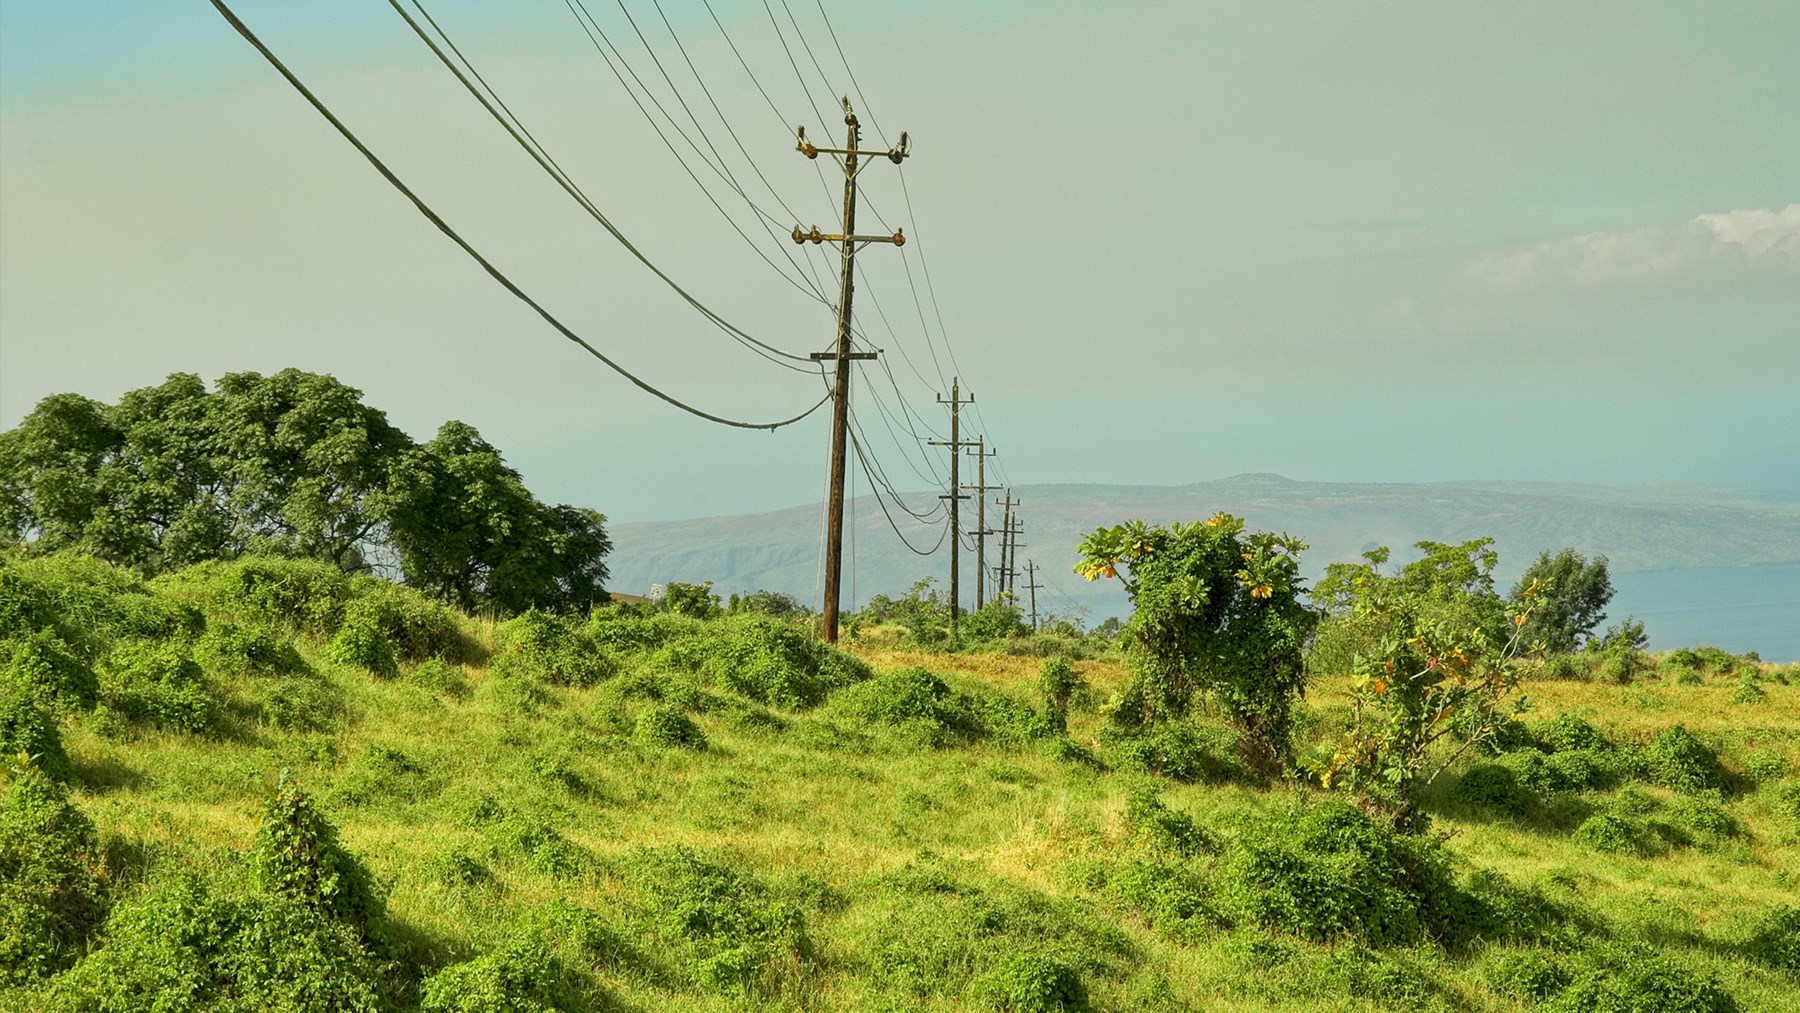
(1032, 585)
(1006, 527)
(842, 355)
(955, 495)
(1013, 528)
(981, 453)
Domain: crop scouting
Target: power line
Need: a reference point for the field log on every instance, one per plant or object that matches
(444, 227)
(522, 136)
(854, 442)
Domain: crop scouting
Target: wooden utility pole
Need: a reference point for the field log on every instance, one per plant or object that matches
(955, 495)
(981, 453)
(1032, 585)
(1004, 574)
(842, 355)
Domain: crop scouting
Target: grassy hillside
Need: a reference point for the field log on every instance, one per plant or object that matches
(262, 785)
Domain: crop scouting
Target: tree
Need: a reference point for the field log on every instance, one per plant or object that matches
(1575, 593)
(1215, 609)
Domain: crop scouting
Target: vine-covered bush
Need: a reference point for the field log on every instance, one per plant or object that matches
(729, 930)
(41, 664)
(50, 894)
(1676, 759)
(30, 731)
(159, 685)
(295, 594)
(297, 856)
(253, 648)
(1183, 750)
(917, 703)
(551, 648)
(665, 727)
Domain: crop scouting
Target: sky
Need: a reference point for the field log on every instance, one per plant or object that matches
(1161, 242)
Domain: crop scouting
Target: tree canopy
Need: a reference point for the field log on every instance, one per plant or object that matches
(292, 464)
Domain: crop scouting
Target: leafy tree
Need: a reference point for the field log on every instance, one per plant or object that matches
(1213, 608)
(1573, 602)
(1432, 652)
(695, 600)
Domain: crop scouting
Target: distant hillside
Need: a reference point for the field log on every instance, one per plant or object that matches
(1639, 529)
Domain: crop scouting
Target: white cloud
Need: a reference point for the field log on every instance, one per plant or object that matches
(1721, 247)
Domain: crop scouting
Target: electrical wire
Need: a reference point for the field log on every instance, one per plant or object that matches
(516, 129)
(444, 227)
(854, 442)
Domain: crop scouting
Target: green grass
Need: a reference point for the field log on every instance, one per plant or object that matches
(665, 831)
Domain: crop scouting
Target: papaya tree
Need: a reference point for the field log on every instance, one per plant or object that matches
(1215, 609)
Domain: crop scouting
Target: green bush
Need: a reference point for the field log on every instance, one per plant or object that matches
(1773, 939)
(50, 895)
(195, 945)
(1613, 833)
(297, 856)
(1567, 733)
(27, 729)
(42, 664)
(440, 677)
(91, 604)
(159, 685)
(1678, 760)
(1529, 975)
(1328, 870)
(1180, 749)
(1765, 765)
(1058, 683)
(302, 703)
(729, 930)
(1534, 770)
(664, 727)
(541, 846)
(247, 649)
(295, 594)
(1030, 982)
(1749, 689)
(363, 641)
(419, 626)
(551, 648)
(1786, 800)
(1643, 984)
(776, 662)
(1146, 817)
(381, 772)
(1494, 788)
(520, 977)
(1707, 823)
(1171, 896)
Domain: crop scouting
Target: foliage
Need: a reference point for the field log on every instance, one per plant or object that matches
(297, 856)
(920, 704)
(1058, 682)
(1327, 870)
(999, 619)
(159, 685)
(1428, 665)
(731, 931)
(522, 976)
(664, 727)
(289, 594)
(1774, 938)
(42, 665)
(1034, 983)
(1184, 750)
(28, 730)
(772, 661)
(695, 600)
(1214, 609)
(551, 648)
(1676, 759)
(1644, 982)
(50, 896)
(419, 626)
(247, 649)
(361, 641)
(1565, 596)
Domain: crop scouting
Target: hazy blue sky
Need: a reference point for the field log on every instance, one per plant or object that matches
(1168, 241)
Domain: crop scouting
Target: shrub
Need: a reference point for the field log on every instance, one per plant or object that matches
(1749, 689)
(1535, 771)
(1612, 833)
(89, 603)
(297, 856)
(520, 977)
(456, 870)
(50, 898)
(380, 772)
(362, 641)
(551, 648)
(41, 663)
(1774, 939)
(1566, 733)
(543, 848)
(419, 627)
(1328, 870)
(1643, 984)
(664, 727)
(1492, 787)
(439, 676)
(1786, 798)
(1531, 975)
(731, 932)
(775, 662)
(302, 704)
(194, 945)
(1058, 682)
(27, 729)
(1165, 828)
(1678, 760)
(1169, 895)
(296, 594)
(159, 685)
(1183, 750)
(1765, 765)
(252, 649)
(1030, 982)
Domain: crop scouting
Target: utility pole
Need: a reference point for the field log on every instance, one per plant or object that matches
(981, 453)
(1032, 585)
(955, 495)
(1013, 528)
(1006, 528)
(842, 355)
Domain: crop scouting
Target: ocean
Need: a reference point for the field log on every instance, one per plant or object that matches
(1737, 608)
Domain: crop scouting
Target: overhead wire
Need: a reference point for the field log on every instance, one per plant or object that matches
(857, 444)
(521, 135)
(432, 216)
(601, 42)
